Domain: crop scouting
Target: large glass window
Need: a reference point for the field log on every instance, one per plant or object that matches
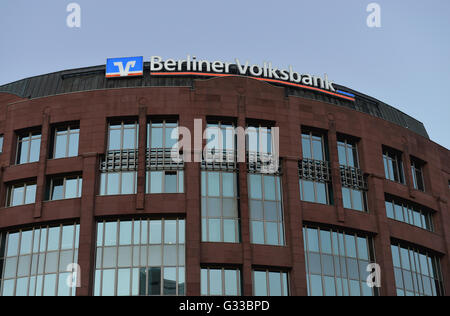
(65, 141)
(221, 282)
(417, 174)
(409, 213)
(162, 133)
(259, 139)
(314, 191)
(266, 210)
(21, 194)
(123, 135)
(140, 257)
(28, 147)
(220, 136)
(36, 262)
(336, 262)
(169, 181)
(348, 153)
(270, 283)
(118, 183)
(220, 210)
(393, 165)
(60, 188)
(417, 272)
(314, 146)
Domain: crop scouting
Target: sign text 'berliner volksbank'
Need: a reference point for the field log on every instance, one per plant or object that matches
(133, 66)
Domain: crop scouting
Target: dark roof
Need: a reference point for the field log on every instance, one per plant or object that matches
(93, 78)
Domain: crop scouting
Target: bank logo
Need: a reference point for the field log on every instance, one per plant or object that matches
(124, 67)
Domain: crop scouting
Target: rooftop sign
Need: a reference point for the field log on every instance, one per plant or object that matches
(265, 72)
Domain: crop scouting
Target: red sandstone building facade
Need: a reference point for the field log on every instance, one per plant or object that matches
(398, 221)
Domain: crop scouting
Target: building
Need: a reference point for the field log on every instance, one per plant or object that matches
(86, 177)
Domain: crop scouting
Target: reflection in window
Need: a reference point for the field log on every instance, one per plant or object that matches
(417, 273)
(21, 194)
(314, 191)
(28, 147)
(118, 183)
(140, 257)
(220, 214)
(409, 213)
(336, 262)
(417, 174)
(393, 165)
(1, 144)
(266, 211)
(65, 141)
(123, 135)
(36, 261)
(64, 188)
(220, 282)
(165, 182)
(270, 283)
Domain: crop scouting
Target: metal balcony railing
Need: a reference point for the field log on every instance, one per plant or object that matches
(120, 160)
(225, 160)
(315, 170)
(164, 159)
(263, 163)
(353, 178)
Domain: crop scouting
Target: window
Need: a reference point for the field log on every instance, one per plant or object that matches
(36, 261)
(354, 184)
(61, 188)
(118, 183)
(220, 282)
(28, 147)
(270, 283)
(409, 213)
(266, 211)
(336, 262)
(417, 174)
(220, 136)
(165, 181)
(65, 141)
(162, 133)
(140, 257)
(220, 211)
(314, 145)
(393, 166)
(1, 144)
(123, 135)
(314, 169)
(259, 139)
(21, 194)
(417, 272)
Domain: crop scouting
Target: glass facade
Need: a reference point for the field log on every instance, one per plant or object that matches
(36, 262)
(220, 210)
(65, 141)
(21, 194)
(336, 262)
(266, 210)
(61, 188)
(140, 257)
(28, 147)
(270, 283)
(415, 215)
(393, 165)
(221, 282)
(417, 273)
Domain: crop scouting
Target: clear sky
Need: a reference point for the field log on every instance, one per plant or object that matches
(405, 63)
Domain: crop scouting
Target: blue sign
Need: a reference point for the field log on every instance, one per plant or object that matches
(124, 67)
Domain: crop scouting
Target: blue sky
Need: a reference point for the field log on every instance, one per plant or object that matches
(405, 63)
